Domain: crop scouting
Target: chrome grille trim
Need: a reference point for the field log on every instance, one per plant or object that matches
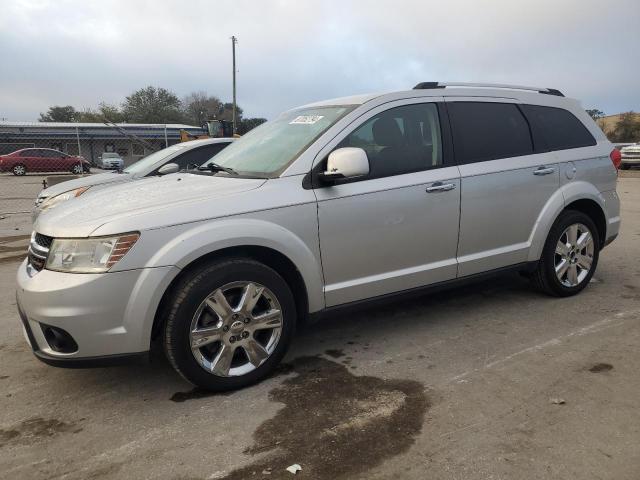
(38, 250)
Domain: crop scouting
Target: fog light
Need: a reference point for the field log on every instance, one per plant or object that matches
(58, 339)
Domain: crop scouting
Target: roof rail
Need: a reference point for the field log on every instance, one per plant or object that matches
(432, 85)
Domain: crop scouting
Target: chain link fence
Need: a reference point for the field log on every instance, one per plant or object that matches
(36, 155)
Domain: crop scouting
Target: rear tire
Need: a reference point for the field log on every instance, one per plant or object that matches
(229, 324)
(570, 255)
(19, 170)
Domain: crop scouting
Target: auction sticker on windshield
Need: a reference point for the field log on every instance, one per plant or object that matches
(306, 119)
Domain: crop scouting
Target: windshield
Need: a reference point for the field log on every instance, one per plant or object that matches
(268, 149)
(147, 163)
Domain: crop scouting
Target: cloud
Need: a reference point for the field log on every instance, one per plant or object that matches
(294, 52)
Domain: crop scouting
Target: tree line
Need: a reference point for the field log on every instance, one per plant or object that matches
(156, 105)
(625, 129)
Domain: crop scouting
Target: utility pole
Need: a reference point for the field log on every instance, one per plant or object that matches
(234, 40)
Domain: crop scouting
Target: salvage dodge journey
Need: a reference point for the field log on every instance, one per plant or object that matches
(328, 205)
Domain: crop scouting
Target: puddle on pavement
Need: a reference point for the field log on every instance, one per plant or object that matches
(601, 367)
(334, 424)
(34, 429)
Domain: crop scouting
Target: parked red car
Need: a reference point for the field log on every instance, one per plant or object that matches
(42, 160)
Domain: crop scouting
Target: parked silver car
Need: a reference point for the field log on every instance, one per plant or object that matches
(181, 156)
(110, 161)
(328, 205)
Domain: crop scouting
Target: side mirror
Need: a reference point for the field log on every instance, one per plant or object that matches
(347, 162)
(168, 168)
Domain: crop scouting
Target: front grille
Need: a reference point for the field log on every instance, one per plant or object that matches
(39, 250)
(43, 240)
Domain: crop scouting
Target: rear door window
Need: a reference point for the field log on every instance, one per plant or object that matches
(557, 128)
(488, 131)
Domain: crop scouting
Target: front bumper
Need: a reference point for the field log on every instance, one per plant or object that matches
(112, 166)
(632, 159)
(76, 362)
(109, 316)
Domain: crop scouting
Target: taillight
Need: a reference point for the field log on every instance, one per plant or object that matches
(616, 158)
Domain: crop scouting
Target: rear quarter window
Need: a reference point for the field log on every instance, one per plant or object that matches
(488, 131)
(557, 128)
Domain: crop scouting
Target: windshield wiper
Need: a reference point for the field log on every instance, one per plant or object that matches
(214, 167)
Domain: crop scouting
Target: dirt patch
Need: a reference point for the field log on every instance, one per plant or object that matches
(34, 429)
(14, 238)
(601, 367)
(16, 248)
(334, 424)
(13, 258)
(334, 353)
(196, 393)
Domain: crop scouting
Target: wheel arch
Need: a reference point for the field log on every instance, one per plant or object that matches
(580, 196)
(271, 257)
(594, 212)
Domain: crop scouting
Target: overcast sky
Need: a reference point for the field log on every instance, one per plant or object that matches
(294, 52)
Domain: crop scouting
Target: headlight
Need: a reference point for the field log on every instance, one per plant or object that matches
(63, 197)
(88, 255)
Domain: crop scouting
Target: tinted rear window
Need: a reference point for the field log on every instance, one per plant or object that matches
(488, 131)
(557, 128)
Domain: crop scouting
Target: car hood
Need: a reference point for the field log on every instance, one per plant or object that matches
(154, 202)
(88, 181)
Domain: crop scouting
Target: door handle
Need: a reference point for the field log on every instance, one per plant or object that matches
(544, 170)
(441, 187)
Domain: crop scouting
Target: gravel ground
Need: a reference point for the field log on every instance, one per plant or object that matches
(487, 381)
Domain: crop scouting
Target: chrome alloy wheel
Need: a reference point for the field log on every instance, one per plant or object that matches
(77, 169)
(19, 170)
(574, 255)
(236, 329)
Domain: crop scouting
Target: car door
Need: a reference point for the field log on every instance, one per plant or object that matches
(51, 161)
(396, 228)
(505, 184)
(33, 160)
(62, 161)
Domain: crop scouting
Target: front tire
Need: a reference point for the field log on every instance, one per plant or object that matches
(230, 322)
(77, 170)
(19, 170)
(570, 255)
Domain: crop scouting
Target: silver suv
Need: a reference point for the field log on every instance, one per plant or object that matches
(329, 204)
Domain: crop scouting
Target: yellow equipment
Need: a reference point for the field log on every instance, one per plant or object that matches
(214, 128)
